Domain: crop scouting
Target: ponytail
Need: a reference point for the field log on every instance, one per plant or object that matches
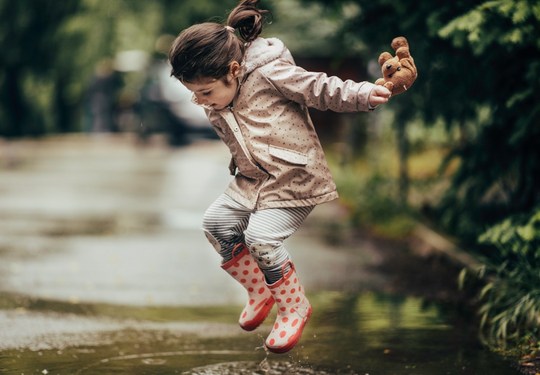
(247, 19)
(206, 50)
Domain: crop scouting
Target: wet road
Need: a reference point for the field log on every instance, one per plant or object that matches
(102, 260)
(100, 220)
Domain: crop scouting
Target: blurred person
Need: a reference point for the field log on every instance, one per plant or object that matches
(102, 97)
(257, 100)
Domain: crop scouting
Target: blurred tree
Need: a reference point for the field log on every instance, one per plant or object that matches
(479, 66)
(500, 165)
(28, 36)
(375, 24)
(182, 14)
(51, 51)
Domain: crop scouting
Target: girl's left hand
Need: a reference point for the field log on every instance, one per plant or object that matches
(379, 95)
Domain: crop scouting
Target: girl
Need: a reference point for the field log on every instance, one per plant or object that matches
(257, 99)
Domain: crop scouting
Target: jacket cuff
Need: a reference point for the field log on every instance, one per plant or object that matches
(363, 96)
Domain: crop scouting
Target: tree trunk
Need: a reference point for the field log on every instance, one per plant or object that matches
(15, 106)
(403, 153)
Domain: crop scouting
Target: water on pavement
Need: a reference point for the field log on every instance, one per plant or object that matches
(104, 270)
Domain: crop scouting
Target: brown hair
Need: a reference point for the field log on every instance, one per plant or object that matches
(207, 49)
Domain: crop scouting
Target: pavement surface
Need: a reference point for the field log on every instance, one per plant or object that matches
(102, 219)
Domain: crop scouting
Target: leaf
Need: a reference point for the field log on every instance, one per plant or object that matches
(461, 278)
(526, 232)
(485, 290)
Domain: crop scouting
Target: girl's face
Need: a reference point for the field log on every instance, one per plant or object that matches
(216, 93)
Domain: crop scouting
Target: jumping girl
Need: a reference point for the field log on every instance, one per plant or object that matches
(257, 100)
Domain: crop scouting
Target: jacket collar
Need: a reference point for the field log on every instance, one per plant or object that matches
(261, 52)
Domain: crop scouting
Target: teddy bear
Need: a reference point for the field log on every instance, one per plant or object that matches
(399, 72)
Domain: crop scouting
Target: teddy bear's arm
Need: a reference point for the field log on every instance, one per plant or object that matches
(409, 64)
(380, 81)
(403, 53)
(389, 85)
(398, 42)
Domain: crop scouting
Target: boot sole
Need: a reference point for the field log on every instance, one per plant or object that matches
(259, 319)
(294, 340)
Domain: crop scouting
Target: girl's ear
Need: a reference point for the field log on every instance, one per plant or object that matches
(234, 70)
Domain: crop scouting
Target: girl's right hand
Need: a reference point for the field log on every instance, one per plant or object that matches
(379, 95)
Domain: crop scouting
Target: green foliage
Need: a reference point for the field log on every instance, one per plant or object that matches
(478, 73)
(29, 41)
(510, 299)
(516, 239)
(513, 24)
(372, 202)
(500, 173)
(52, 48)
(181, 14)
(293, 22)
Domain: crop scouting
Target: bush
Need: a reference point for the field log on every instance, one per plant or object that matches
(510, 299)
(372, 202)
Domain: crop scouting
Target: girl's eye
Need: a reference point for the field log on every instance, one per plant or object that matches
(206, 93)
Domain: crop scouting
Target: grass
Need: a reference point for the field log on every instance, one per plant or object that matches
(369, 185)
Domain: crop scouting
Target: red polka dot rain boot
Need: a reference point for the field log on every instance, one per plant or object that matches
(294, 311)
(246, 271)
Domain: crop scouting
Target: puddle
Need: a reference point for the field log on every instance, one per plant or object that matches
(354, 334)
(251, 368)
(161, 362)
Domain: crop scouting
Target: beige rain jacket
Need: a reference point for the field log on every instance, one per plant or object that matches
(277, 159)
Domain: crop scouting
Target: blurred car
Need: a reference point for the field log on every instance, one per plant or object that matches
(166, 107)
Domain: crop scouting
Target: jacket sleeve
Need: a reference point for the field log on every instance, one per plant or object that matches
(316, 89)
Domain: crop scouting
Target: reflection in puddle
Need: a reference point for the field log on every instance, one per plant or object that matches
(154, 361)
(352, 334)
(151, 359)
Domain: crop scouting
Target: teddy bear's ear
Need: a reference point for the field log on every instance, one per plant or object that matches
(383, 57)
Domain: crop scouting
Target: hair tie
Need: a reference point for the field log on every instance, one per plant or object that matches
(230, 28)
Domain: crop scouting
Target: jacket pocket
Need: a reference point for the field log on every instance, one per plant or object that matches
(287, 155)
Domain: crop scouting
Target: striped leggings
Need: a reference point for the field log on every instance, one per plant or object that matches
(227, 223)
